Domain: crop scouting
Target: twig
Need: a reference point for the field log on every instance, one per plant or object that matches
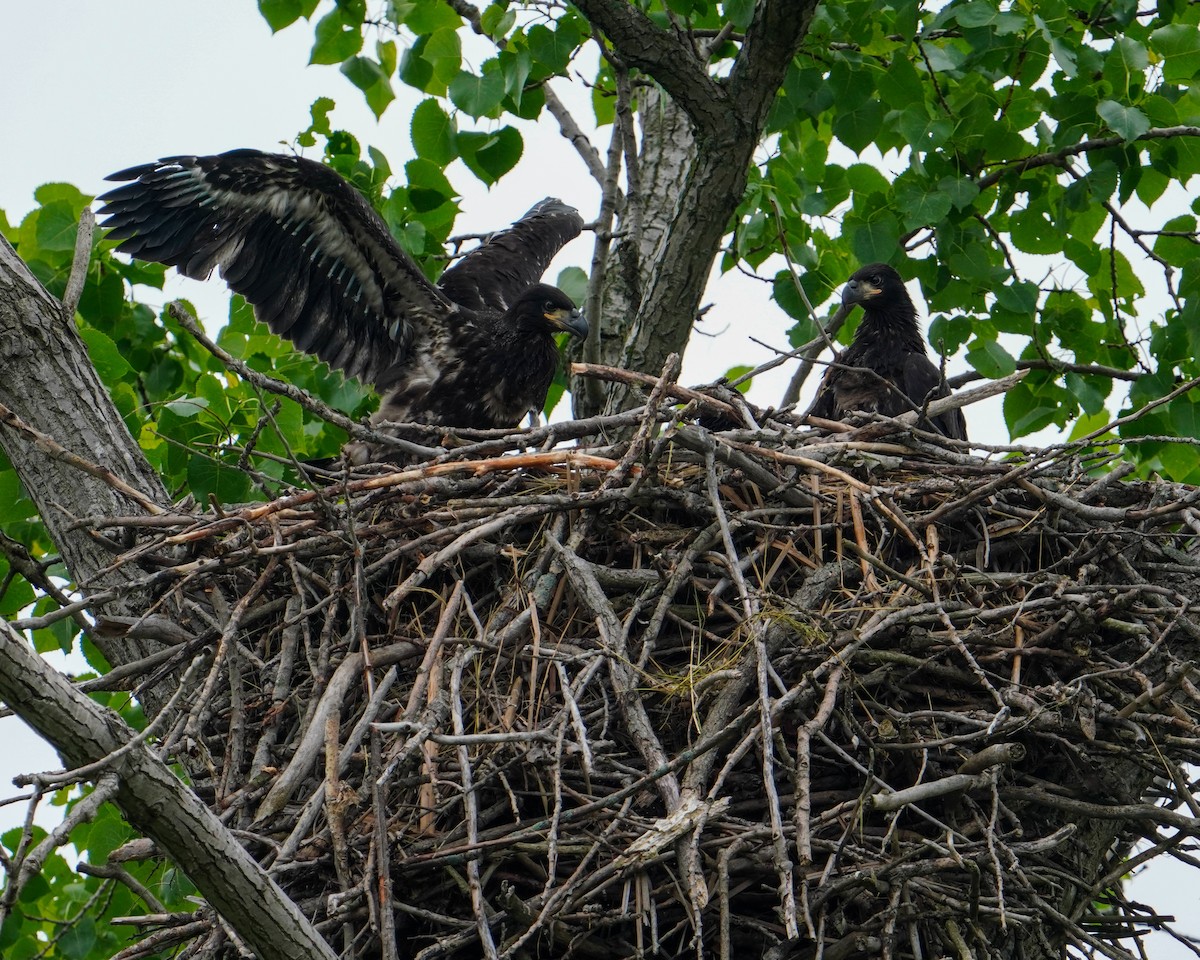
(52, 448)
(79, 264)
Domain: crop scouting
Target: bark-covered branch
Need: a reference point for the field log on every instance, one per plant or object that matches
(50, 384)
(1057, 157)
(158, 804)
(76, 460)
(640, 43)
(667, 277)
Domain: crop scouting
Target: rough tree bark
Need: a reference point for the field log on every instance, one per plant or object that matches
(77, 461)
(50, 384)
(158, 804)
(676, 233)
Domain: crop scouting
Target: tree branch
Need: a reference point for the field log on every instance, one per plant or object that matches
(157, 804)
(728, 120)
(666, 58)
(50, 384)
(1056, 157)
(772, 39)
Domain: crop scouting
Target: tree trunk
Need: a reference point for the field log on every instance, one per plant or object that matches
(93, 468)
(690, 181)
(668, 151)
(78, 462)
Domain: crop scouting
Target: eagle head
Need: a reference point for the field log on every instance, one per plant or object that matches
(543, 308)
(876, 283)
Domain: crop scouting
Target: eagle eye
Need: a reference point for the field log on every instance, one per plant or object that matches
(549, 306)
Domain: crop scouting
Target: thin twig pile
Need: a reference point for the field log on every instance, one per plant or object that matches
(712, 694)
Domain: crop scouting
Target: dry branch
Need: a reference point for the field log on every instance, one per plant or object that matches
(728, 693)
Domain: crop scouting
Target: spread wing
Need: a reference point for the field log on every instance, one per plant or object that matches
(297, 241)
(511, 261)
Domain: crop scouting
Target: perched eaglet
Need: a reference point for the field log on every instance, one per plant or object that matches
(321, 268)
(885, 370)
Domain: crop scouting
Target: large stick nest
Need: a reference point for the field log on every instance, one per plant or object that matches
(722, 694)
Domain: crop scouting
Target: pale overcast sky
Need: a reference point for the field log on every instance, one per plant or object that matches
(87, 88)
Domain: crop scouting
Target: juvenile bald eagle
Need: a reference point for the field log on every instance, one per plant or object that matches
(321, 268)
(885, 369)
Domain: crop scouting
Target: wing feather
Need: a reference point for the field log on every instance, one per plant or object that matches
(296, 240)
(824, 404)
(923, 381)
(511, 261)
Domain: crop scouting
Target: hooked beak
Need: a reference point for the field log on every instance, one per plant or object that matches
(858, 291)
(572, 321)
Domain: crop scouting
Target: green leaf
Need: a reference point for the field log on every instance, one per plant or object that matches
(1088, 391)
(57, 225)
(1178, 250)
(1125, 65)
(443, 50)
(1026, 412)
(876, 240)
(496, 20)
(108, 360)
(428, 187)
(335, 41)
(990, 359)
(960, 190)
(17, 595)
(14, 505)
(385, 52)
(903, 86)
(433, 133)
(279, 13)
(1180, 460)
(211, 477)
(78, 938)
(922, 205)
(1128, 123)
(1179, 46)
(1019, 297)
(1032, 231)
(108, 831)
(558, 387)
(574, 283)
(858, 127)
(921, 131)
(865, 178)
(740, 370)
(981, 13)
(369, 77)
(552, 49)
(950, 332)
(478, 95)
(490, 155)
(425, 17)
(515, 68)
(47, 193)
(739, 12)
(416, 71)
(11, 930)
(318, 111)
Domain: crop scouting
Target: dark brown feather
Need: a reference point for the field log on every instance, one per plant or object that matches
(885, 369)
(321, 268)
